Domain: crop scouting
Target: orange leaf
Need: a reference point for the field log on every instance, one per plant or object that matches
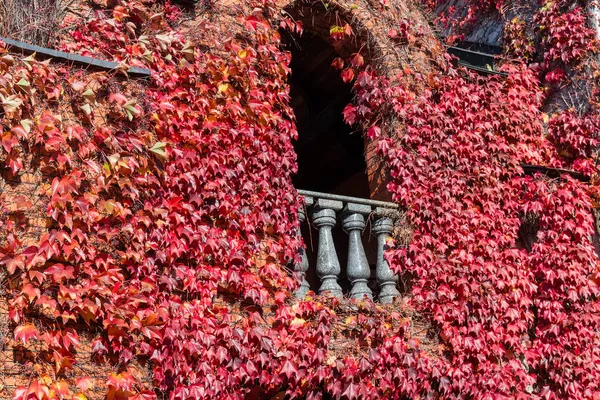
(39, 390)
(357, 61)
(119, 12)
(61, 388)
(347, 75)
(22, 203)
(31, 292)
(8, 141)
(26, 332)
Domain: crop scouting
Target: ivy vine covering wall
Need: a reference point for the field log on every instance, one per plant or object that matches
(149, 224)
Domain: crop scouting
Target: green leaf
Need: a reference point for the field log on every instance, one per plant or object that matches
(159, 149)
(28, 60)
(130, 109)
(89, 95)
(23, 83)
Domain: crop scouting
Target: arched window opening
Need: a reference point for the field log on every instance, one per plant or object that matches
(344, 230)
(330, 155)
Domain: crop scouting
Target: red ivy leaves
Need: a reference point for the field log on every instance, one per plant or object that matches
(506, 315)
(577, 137)
(178, 204)
(565, 35)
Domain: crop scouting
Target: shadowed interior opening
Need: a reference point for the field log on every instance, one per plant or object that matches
(330, 154)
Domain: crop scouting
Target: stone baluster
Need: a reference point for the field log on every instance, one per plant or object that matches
(302, 266)
(328, 265)
(358, 270)
(385, 276)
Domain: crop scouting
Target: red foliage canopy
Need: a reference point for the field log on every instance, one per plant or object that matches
(172, 215)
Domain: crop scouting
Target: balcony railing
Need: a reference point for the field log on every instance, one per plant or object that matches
(320, 268)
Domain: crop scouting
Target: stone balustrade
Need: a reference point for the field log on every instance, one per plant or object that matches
(320, 267)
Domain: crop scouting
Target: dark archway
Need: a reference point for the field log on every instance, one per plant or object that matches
(330, 155)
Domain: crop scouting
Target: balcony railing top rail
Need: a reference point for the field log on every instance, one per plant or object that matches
(348, 199)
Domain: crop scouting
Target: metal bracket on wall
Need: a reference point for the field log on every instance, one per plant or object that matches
(16, 46)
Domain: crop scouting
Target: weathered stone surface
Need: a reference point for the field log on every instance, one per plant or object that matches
(358, 270)
(328, 265)
(385, 276)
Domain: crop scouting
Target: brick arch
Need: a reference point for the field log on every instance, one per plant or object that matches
(370, 23)
(367, 21)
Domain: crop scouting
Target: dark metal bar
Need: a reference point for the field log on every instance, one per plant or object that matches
(348, 199)
(472, 53)
(475, 60)
(481, 70)
(479, 47)
(553, 172)
(72, 58)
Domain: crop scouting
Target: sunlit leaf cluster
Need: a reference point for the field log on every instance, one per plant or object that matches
(161, 218)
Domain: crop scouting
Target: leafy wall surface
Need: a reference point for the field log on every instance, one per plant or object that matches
(147, 226)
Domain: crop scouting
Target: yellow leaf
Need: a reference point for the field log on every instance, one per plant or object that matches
(223, 87)
(159, 149)
(545, 118)
(11, 103)
(89, 95)
(336, 29)
(298, 322)
(26, 124)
